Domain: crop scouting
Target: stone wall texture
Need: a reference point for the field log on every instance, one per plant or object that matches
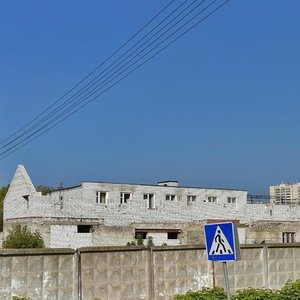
(157, 273)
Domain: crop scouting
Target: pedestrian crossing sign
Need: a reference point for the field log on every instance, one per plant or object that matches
(222, 242)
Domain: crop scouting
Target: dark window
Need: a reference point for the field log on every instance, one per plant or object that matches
(124, 197)
(26, 197)
(61, 202)
(172, 235)
(170, 197)
(231, 200)
(101, 197)
(191, 198)
(151, 200)
(84, 228)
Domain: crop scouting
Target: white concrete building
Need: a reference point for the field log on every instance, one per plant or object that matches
(98, 213)
(285, 193)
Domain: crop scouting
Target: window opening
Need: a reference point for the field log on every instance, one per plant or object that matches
(170, 197)
(212, 199)
(124, 197)
(150, 200)
(84, 228)
(231, 200)
(142, 233)
(288, 237)
(191, 198)
(172, 235)
(61, 202)
(101, 197)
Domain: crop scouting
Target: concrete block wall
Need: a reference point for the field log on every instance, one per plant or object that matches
(131, 273)
(178, 270)
(283, 264)
(114, 275)
(38, 274)
(251, 270)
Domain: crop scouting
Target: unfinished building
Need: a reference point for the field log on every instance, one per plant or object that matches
(105, 214)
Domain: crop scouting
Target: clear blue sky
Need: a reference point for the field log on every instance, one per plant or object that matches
(220, 108)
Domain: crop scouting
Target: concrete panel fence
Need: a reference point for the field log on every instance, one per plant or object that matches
(132, 273)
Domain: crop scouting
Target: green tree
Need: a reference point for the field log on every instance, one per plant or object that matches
(22, 237)
(215, 293)
(3, 191)
(44, 189)
(256, 294)
(139, 239)
(291, 290)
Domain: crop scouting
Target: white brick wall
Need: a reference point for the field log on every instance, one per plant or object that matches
(79, 203)
(66, 236)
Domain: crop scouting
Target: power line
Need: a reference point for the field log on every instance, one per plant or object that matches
(76, 95)
(121, 78)
(92, 72)
(32, 137)
(87, 86)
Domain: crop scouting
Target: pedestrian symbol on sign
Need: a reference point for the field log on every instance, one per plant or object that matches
(220, 245)
(222, 242)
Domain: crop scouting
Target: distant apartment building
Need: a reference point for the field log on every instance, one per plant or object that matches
(285, 193)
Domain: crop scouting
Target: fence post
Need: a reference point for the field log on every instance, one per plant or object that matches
(151, 293)
(79, 278)
(265, 263)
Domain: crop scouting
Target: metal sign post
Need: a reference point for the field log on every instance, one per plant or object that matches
(222, 244)
(226, 280)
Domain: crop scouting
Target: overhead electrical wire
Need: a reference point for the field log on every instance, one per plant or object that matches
(49, 123)
(92, 72)
(89, 74)
(86, 86)
(73, 109)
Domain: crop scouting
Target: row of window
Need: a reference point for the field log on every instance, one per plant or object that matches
(101, 197)
(287, 237)
(171, 235)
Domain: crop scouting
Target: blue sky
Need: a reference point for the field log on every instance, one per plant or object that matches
(219, 108)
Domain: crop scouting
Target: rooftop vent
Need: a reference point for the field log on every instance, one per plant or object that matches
(168, 183)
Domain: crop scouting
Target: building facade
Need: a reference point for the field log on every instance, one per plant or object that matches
(105, 214)
(285, 193)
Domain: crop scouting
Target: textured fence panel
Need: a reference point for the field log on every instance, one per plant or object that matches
(38, 274)
(249, 271)
(115, 273)
(178, 270)
(137, 273)
(283, 264)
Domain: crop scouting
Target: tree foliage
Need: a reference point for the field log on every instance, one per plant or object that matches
(215, 293)
(22, 237)
(44, 189)
(290, 291)
(256, 294)
(139, 239)
(3, 191)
